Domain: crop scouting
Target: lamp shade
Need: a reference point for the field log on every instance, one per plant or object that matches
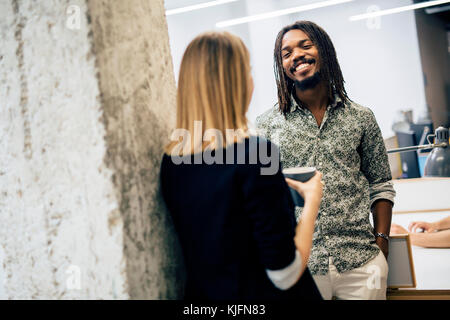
(438, 162)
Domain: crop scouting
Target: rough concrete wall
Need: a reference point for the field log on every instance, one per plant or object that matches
(80, 143)
(138, 95)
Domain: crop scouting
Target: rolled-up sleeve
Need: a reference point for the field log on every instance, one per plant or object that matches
(384, 190)
(374, 162)
(285, 278)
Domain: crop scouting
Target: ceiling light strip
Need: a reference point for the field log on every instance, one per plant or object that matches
(397, 10)
(278, 13)
(197, 6)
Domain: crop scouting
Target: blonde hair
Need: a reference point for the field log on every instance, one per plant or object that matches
(214, 88)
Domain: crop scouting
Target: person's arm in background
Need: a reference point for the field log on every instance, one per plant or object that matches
(442, 224)
(440, 239)
(375, 166)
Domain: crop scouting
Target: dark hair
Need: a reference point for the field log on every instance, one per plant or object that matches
(330, 70)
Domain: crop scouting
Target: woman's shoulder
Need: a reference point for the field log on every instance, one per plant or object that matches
(262, 155)
(251, 152)
(260, 149)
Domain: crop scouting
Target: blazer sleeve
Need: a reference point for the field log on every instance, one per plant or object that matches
(269, 206)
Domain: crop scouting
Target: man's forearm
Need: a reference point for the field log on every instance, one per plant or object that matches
(382, 216)
(440, 239)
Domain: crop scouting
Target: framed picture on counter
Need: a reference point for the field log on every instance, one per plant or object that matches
(400, 260)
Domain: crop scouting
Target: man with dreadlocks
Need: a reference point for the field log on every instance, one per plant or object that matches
(317, 125)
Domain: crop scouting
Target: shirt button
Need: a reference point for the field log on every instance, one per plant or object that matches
(324, 213)
(310, 117)
(320, 163)
(327, 237)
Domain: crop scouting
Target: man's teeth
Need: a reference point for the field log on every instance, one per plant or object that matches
(302, 66)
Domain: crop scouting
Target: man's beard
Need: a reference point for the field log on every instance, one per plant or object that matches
(308, 83)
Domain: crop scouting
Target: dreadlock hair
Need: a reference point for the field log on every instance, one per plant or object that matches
(330, 71)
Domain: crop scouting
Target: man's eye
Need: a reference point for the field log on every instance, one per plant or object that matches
(307, 46)
(286, 55)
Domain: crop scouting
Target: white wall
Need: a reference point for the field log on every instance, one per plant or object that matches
(183, 28)
(381, 66)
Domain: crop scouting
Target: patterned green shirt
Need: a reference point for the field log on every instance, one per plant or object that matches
(349, 150)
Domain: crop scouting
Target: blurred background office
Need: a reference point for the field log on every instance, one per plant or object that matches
(394, 55)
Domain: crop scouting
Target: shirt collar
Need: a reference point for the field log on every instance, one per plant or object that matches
(336, 102)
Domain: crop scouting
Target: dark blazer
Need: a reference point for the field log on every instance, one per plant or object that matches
(233, 223)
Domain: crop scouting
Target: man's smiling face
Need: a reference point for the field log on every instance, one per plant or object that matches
(300, 56)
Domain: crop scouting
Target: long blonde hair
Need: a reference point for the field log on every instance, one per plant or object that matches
(214, 87)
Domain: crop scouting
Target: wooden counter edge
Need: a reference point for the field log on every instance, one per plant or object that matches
(399, 294)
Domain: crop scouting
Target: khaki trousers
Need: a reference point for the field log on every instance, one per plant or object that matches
(368, 282)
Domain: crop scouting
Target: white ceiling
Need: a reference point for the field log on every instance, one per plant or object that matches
(173, 4)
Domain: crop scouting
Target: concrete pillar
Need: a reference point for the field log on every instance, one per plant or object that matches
(87, 100)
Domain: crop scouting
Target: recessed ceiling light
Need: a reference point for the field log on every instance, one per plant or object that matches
(197, 6)
(278, 13)
(397, 10)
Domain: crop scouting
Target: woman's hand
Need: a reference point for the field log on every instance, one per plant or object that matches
(425, 226)
(311, 190)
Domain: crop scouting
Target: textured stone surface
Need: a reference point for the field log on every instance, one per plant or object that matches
(84, 114)
(138, 94)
